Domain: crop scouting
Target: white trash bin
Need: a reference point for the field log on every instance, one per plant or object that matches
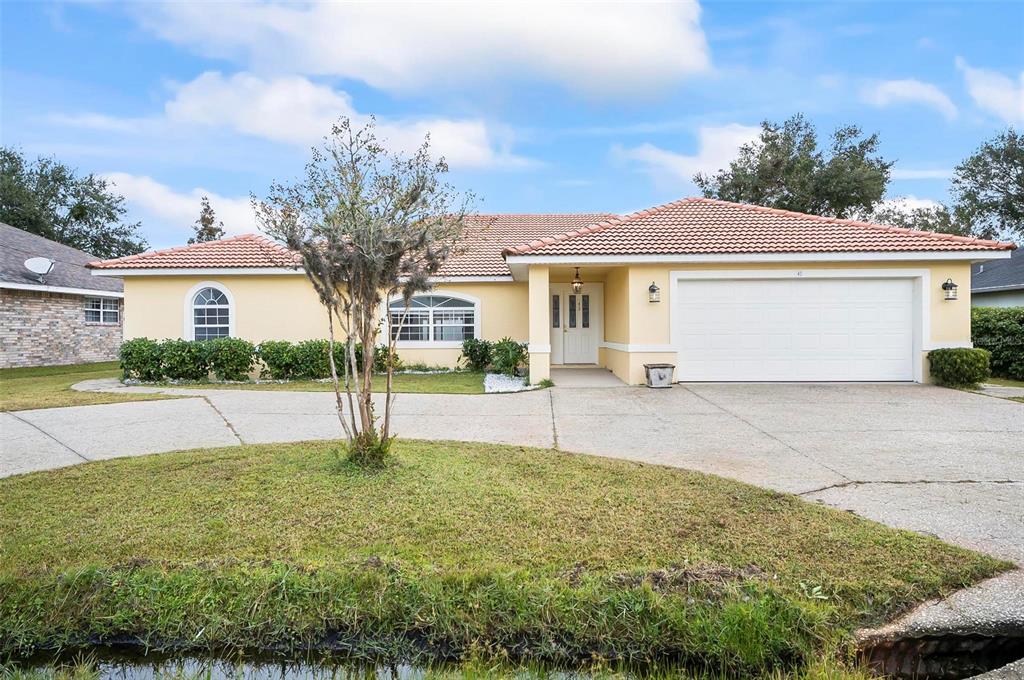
(659, 375)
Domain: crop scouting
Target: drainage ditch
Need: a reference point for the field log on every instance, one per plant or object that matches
(941, 657)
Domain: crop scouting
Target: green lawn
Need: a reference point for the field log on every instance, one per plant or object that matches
(1005, 382)
(459, 382)
(458, 549)
(50, 386)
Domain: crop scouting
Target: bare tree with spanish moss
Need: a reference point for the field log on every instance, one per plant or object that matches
(370, 225)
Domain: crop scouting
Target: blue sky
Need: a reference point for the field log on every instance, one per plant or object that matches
(539, 108)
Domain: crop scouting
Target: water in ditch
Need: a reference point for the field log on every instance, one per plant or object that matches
(937, 658)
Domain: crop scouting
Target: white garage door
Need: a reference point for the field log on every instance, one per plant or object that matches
(794, 329)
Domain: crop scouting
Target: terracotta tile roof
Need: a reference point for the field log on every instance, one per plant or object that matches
(487, 235)
(480, 254)
(247, 250)
(708, 226)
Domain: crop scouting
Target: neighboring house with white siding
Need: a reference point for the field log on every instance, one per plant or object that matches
(66, 316)
(999, 283)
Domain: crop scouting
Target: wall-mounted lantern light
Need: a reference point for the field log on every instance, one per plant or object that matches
(654, 293)
(577, 282)
(949, 289)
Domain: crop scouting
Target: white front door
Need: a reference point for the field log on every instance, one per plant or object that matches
(576, 323)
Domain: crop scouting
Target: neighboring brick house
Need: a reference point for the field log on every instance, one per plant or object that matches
(70, 317)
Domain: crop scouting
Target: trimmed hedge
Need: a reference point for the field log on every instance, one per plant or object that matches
(311, 361)
(960, 367)
(140, 359)
(1000, 330)
(278, 358)
(234, 359)
(230, 358)
(184, 360)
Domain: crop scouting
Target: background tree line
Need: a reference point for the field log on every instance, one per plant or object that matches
(48, 198)
(786, 167)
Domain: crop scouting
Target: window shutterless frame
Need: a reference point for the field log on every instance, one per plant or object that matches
(102, 310)
(209, 312)
(434, 320)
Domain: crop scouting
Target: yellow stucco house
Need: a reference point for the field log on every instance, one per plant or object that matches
(724, 291)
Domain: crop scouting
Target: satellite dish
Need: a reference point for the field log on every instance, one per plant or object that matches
(40, 266)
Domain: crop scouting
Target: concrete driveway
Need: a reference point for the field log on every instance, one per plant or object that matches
(924, 458)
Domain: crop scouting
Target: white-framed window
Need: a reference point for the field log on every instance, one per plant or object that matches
(208, 312)
(211, 314)
(102, 310)
(434, 319)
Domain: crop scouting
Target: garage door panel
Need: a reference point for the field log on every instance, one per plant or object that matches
(800, 329)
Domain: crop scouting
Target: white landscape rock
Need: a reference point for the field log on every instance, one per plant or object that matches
(497, 382)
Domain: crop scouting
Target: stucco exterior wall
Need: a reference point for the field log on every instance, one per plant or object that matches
(284, 307)
(49, 329)
(616, 306)
(650, 323)
(272, 307)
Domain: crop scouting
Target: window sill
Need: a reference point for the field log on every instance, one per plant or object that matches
(428, 344)
(102, 323)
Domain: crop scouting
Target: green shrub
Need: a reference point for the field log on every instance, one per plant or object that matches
(959, 367)
(278, 357)
(230, 358)
(140, 359)
(508, 356)
(477, 353)
(184, 360)
(1000, 330)
(310, 360)
(380, 359)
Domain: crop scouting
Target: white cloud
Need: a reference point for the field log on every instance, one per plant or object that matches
(909, 203)
(168, 215)
(716, 147)
(289, 109)
(921, 173)
(295, 110)
(994, 92)
(889, 92)
(595, 48)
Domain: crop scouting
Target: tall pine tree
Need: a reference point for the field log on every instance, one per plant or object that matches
(207, 227)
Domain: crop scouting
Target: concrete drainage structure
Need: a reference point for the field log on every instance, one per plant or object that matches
(938, 657)
(979, 630)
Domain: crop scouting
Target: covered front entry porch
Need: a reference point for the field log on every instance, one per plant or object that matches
(584, 376)
(607, 321)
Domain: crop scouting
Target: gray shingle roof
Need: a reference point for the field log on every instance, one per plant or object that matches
(69, 270)
(999, 274)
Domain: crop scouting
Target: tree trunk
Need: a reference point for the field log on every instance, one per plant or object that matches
(350, 373)
(334, 375)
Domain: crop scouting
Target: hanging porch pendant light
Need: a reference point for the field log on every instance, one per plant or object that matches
(577, 282)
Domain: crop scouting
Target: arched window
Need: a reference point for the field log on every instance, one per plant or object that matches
(211, 314)
(434, 319)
